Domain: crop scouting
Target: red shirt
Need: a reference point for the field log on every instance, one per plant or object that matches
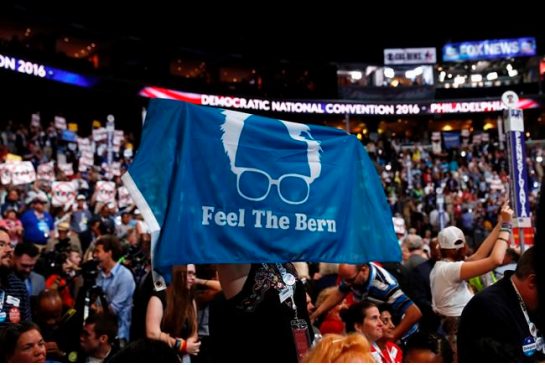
(390, 353)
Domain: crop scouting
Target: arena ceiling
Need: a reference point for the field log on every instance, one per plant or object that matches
(356, 32)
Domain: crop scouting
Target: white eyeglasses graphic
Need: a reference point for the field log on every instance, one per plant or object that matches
(255, 185)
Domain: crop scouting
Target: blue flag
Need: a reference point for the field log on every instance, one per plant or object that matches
(219, 186)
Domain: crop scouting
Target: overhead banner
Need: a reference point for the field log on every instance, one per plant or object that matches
(220, 186)
(489, 49)
(410, 56)
(30, 68)
(330, 107)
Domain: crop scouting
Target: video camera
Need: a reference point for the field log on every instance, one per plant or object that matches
(136, 260)
(91, 296)
(51, 263)
(89, 273)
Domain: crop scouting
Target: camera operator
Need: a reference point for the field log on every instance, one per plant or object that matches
(136, 258)
(65, 239)
(65, 275)
(90, 296)
(116, 282)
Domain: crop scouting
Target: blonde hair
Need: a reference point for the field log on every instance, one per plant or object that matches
(324, 294)
(341, 348)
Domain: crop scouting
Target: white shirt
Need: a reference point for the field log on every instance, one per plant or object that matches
(449, 294)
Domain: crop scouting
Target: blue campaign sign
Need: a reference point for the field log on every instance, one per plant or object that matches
(69, 136)
(451, 139)
(219, 186)
(519, 173)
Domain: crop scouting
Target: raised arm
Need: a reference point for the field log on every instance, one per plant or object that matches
(502, 238)
(486, 247)
(332, 300)
(506, 215)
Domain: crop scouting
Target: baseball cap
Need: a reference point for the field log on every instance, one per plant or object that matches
(33, 196)
(63, 226)
(451, 238)
(80, 197)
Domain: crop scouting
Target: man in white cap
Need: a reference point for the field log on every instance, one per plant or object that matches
(38, 224)
(450, 291)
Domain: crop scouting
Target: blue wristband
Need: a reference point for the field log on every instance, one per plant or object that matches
(177, 344)
(506, 225)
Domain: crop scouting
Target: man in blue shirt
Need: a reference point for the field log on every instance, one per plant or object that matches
(37, 222)
(116, 281)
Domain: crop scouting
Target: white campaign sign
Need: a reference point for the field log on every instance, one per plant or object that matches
(105, 191)
(17, 173)
(64, 193)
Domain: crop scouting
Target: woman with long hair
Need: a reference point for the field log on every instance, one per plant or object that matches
(171, 315)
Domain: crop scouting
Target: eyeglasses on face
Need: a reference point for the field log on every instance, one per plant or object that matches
(353, 278)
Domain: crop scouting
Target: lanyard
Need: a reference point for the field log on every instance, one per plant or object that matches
(379, 357)
(531, 326)
(287, 278)
(288, 291)
(384, 359)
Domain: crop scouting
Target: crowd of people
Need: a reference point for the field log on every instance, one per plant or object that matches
(76, 283)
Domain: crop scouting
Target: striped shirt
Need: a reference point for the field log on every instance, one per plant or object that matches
(381, 288)
(13, 293)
